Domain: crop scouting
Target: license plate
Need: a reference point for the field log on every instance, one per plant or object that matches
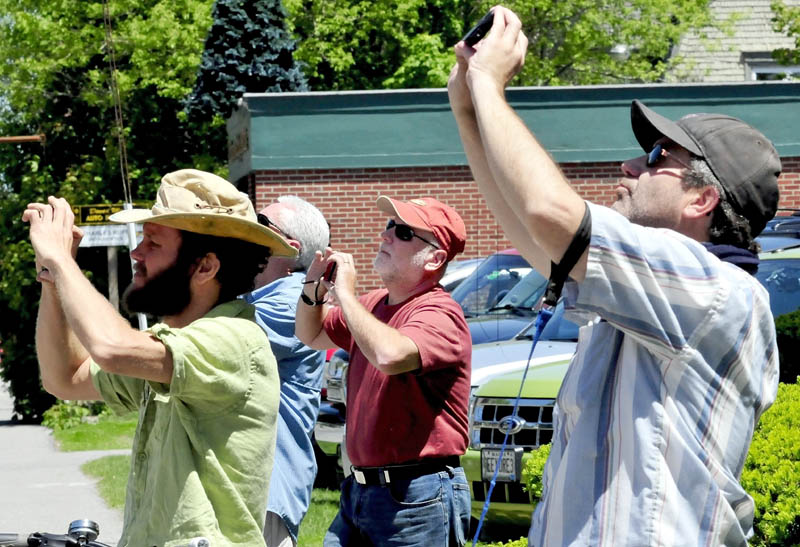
(335, 393)
(509, 467)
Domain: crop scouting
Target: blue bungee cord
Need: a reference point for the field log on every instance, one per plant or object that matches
(558, 275)
(541, 320)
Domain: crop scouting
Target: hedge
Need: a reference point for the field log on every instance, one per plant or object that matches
(771, 473)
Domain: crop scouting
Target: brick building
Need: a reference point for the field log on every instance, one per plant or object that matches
(342, 150)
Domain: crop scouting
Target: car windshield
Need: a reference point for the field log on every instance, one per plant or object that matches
(525, 294)
(557, 328)
(781, 277)
(490, 282)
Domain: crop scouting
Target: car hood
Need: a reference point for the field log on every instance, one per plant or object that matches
(542, 382)
(496, 358)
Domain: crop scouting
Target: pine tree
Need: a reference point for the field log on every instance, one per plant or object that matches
(248, 49)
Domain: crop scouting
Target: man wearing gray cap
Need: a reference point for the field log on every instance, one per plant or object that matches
(203, 379)
(677, 359)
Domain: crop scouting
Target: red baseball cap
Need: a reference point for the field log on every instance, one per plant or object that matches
(431, 215)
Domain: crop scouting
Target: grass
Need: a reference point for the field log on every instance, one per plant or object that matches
(324, 505)
(110, 432)
(113, 474)
(113, 431)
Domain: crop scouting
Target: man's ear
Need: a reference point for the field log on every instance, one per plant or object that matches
(436, 260)
(704, 201)
(206, 269)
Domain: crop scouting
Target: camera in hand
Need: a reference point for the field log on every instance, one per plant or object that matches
(330, 272)
(480, 29)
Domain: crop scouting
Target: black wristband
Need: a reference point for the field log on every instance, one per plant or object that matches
(306, 300)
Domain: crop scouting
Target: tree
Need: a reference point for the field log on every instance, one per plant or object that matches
(353, 44)
(54, 80)
(571, 42)
(247, 49)
(374, 44)
(787, 20)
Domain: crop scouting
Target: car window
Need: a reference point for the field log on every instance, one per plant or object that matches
(526, 293)
(490, 282)
(781, 277)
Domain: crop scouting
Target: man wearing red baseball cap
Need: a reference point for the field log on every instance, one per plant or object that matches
(407, 384)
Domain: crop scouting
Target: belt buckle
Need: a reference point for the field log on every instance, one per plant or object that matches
(359, 476)
(383, 476)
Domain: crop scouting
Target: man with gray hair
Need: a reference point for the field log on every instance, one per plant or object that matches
(300, 368)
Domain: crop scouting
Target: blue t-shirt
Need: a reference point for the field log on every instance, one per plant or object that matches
(300, 369)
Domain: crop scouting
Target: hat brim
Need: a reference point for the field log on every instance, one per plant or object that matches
(405, 212)
(649, 126)
(215, 225)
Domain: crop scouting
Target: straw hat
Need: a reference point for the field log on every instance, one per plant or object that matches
(204, 203)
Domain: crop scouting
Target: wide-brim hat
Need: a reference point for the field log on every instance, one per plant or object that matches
(430, 215)
(204, 203)
(744, 161)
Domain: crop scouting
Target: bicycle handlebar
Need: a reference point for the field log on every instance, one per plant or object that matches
(13, 540)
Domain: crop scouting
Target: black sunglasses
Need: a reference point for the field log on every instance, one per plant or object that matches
(404, 232)
(265, 221)
(657, 155)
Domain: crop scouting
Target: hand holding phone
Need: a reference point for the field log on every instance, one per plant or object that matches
(480, 29)
(330, 272)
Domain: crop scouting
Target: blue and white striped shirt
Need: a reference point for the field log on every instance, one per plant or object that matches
(657, 410)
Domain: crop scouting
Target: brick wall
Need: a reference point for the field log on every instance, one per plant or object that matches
(347, 199)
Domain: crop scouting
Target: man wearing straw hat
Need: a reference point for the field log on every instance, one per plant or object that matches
(203, 379)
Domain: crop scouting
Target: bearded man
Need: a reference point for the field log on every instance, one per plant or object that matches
(203, 379)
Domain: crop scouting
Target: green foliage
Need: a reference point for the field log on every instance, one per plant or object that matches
(533, 471)
(54, 80)
(373, 44)
(787, 327)
(361, 44)
(570, 41)
(521, 542)
(68, 414)
(64, 415)
(787, 21)
(772, 471)
(247, 50)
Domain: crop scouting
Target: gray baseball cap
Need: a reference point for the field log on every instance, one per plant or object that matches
(743, 159)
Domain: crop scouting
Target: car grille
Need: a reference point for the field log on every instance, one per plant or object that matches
(536, 430)
(504, 492)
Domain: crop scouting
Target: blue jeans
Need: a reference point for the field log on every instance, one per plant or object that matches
(428, 511)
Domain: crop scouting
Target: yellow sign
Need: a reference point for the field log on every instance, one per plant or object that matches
(98, 214)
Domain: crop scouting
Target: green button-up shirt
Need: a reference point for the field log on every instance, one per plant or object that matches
(203, 448)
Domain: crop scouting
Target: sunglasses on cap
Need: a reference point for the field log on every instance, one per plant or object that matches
(657, 155)
(404, 232)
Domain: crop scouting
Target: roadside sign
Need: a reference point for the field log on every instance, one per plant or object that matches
(108, 235)
(99, 213)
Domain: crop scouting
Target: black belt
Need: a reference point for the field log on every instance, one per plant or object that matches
(380, 476)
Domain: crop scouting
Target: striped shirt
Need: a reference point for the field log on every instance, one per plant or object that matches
(675, 366)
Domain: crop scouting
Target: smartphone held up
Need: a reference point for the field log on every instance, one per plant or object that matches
(481, 29)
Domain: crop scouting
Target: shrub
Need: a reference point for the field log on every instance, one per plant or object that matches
(533, 471)
(68, 414)
(771, 473)
(787, 327)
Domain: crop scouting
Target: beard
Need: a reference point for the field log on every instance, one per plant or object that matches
(166, 293)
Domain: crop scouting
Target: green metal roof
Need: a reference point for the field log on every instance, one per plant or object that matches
(395, 128)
